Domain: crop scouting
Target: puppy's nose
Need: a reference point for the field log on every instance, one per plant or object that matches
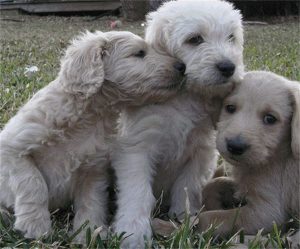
(236, 146)
(226, 68)
(180, 67)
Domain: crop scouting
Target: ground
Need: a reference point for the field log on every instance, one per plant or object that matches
(40, 41)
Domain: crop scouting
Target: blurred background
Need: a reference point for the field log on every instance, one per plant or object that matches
(136, 10)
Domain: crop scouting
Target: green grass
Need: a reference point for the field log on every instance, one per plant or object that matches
(40, 41)
(274, 48)
(183, 238)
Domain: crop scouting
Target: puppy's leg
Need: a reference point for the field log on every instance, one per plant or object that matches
(90, 200)
(135, 198)
(219, 194)
(31, 198)
(24, 179)
(195, 174)
(250, 218)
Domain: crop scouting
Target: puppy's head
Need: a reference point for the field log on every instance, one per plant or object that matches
(139, 70)
(206, 35)
(260, 120)
(121, 61)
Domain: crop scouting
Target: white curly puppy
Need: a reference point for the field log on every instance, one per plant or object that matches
(55, 149)
(259, 134)
(167, 147)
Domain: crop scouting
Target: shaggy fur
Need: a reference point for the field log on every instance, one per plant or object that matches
(167, 147)
(56, 148)
(265, 156)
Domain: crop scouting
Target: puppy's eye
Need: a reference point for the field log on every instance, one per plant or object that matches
(231, 38)
(195, 40)
(269, 119)
(230, 108)
(140, 54)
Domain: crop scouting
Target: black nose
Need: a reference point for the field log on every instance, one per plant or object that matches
(226, 68)
(180, 67)
(237, 145)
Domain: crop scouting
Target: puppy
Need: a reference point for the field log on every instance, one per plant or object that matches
(258, 134)
(56, 148)
(167, 147)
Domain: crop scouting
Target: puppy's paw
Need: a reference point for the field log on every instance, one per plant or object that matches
(216, 220)
(80, 238)
(34, 226)
(204, 222)
(179, 211)
(163, 228)
(138, 232)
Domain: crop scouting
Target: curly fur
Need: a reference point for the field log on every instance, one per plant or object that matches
(56, 149)
(167, 147)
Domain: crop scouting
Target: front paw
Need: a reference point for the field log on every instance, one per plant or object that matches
(81, 233)
(34, 225)
(179, 212)
(138, 232)
(203, 222)
(214, 220)
(176, 212)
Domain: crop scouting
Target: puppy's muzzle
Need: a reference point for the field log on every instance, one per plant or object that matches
(226, 68)
(179, 80)
(236, 146)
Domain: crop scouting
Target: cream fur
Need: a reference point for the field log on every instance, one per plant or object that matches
(56, 149)
(266, 175)
(167, 147)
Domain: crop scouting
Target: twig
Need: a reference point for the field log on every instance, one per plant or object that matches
(254, 23)
(12, 20)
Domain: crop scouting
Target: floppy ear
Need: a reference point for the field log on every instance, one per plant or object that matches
(295, 125)
(156, 30)
(82, 71)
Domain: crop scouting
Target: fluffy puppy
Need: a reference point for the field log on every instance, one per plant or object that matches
(167, 147)
(56, 148)
(258, 134)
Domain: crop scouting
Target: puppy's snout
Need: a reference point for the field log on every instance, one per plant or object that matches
(180, 67)
(236, 146)
(226, 68)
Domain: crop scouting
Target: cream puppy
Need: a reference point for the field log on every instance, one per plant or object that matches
(171, 146)
(56, 148)
(259, 134)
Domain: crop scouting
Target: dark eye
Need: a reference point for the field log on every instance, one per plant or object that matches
(231, 38)
(140, 54)
(195, 40)
(269, 119)
(230, 108)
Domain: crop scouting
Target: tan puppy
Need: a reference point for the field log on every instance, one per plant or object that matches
(55, 150)
(259, 134)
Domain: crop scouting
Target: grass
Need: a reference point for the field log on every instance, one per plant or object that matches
(183, 238)
(40, 41)
(274, 48)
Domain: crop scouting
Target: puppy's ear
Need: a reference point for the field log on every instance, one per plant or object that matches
(157, 30)
(295, 125)
(82, 70)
